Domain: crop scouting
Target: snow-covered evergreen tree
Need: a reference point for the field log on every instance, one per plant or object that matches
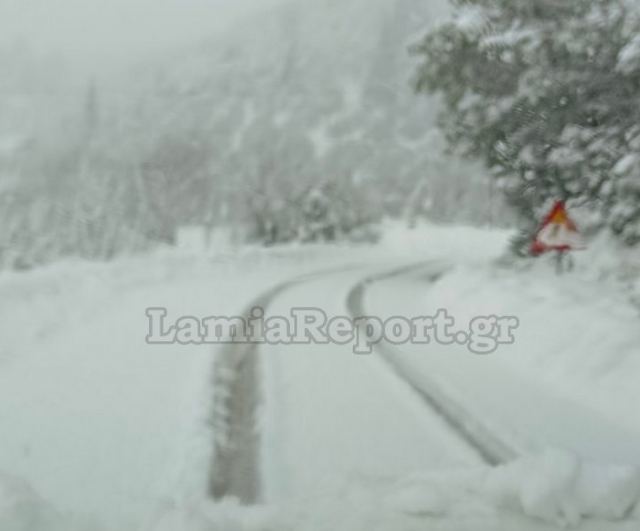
(546, 94)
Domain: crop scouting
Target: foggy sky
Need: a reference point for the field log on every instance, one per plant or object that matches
(112, 33)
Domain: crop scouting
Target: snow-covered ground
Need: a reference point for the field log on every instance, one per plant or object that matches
(95, 419)
(101, 431)
(571, 374)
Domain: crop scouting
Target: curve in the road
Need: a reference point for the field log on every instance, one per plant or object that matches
(235, 470)
(487, 445)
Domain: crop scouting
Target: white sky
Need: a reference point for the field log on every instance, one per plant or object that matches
(115, 32)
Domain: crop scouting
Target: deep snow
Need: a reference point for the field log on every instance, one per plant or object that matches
(101, 431)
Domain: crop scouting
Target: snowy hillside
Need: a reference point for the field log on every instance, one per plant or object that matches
(316, 94)
(315, 99)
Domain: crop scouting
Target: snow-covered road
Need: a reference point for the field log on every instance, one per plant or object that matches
(332, 421)
(409, 406)
(100, 423)
(332, 415)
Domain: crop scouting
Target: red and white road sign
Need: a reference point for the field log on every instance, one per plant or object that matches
(557, 232)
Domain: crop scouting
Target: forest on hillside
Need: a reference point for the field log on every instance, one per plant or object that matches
(301, 125)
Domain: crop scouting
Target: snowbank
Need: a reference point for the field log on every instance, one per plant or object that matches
(578, 331)
(466, 244)
(549, 491)
(554, 487)
(558, 488)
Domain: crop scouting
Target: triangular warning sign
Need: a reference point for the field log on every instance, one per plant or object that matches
(557, 232)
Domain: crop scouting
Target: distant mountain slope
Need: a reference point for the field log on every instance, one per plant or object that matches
(300, 123)
(314, 93)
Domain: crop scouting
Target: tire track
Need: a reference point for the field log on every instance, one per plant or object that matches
(488, 446)
(237, 394)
